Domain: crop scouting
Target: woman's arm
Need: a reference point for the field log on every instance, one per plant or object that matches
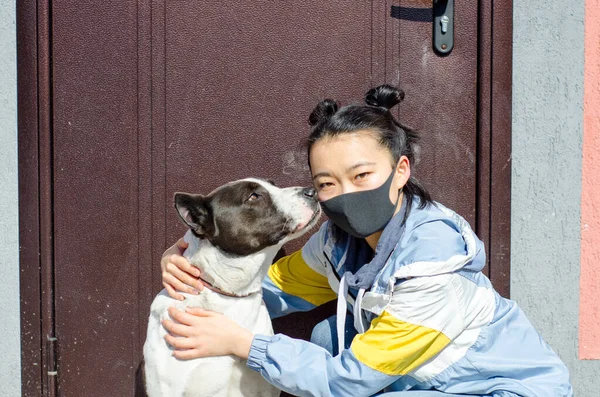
(293, 285)
(201, 333)
(296, 366)
(298, 282)
(421, 322)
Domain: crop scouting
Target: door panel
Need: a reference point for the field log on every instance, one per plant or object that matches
(154, 97)
(100, 230)
(237, 103)
(441, 103)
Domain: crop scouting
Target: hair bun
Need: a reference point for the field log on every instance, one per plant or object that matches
(323, 111)
(385, 96)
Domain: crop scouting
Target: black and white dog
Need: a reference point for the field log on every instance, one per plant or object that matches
(235, 232)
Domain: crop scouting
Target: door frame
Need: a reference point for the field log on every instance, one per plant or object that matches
(494, 137)
(34, 52)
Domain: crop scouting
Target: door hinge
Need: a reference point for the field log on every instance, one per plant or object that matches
(51, 364)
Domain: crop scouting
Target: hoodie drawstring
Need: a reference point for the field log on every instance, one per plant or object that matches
(342, 308)
(359, 323)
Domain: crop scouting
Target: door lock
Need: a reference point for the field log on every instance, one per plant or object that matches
(443, 26)
(444, 20)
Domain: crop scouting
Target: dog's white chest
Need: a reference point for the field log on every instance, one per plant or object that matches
(228, 376)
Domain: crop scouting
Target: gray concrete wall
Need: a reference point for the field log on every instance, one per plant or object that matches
(546, 175)
(10, 370)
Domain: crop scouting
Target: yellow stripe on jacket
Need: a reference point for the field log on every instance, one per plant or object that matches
(395, 347)
(293, 276)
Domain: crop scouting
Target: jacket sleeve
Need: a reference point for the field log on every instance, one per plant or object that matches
(298, 282)
(418, 324)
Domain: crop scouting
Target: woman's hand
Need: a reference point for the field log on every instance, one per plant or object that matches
(200, 333)
(178, 275)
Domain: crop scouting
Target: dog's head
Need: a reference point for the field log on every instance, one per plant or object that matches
(249, 215)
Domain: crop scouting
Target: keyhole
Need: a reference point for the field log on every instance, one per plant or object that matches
(444, 21)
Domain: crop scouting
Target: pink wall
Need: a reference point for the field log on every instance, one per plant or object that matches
(589, 304)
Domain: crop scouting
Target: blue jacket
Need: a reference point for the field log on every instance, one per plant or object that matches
(426, 315)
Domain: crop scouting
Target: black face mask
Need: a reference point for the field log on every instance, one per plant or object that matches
(362, 213)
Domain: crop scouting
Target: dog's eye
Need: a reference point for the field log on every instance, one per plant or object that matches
(253, 196)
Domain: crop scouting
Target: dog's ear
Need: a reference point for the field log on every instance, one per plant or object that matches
(194, 212)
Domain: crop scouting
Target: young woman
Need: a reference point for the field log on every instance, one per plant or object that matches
(425, 321)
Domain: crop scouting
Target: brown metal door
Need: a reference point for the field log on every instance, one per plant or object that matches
(139, 99)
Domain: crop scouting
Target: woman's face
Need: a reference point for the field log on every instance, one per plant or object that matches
(352, 162)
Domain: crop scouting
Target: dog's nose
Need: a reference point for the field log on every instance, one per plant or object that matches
(310, 192)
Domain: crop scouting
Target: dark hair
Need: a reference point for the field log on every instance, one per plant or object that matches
(327, 120)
